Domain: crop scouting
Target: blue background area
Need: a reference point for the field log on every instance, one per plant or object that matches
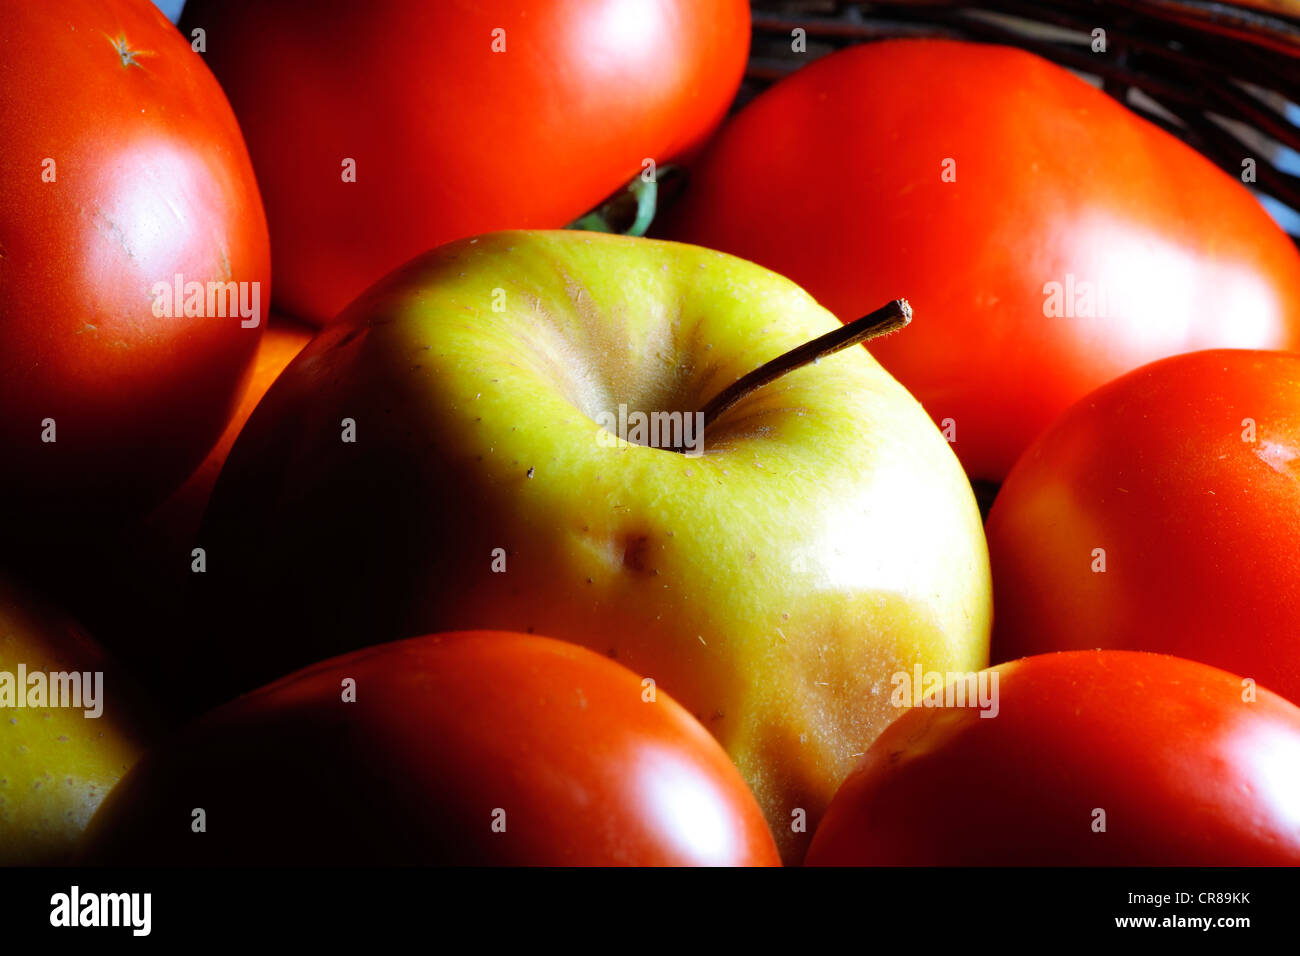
(170, 7)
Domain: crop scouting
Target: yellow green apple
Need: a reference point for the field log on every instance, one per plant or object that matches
(442, 456)
(65, 737)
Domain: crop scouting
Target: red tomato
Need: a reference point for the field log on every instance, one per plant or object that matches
(452, 135)
(123, 167)
(1162, 513)
(1093, 758)
(465, 748)
(839, 178)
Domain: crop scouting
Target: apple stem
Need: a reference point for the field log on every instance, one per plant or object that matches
(888, 318)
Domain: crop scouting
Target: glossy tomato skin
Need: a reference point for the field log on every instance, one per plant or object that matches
(1186, 772)
(124, 166)
(448, 734)
(842, 178)
(450, 136)
(1182, 480)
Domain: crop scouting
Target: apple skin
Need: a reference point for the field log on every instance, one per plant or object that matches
(56, 764)
(826, 539)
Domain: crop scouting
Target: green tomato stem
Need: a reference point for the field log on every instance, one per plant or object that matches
(609, 214)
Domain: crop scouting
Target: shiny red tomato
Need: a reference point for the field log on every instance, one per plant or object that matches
(1162, 513)
(460, 117)
(1048, 239)
(123, 168)
(465, 748)
(1092, 758)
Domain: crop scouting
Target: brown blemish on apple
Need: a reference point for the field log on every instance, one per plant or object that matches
(636, 555)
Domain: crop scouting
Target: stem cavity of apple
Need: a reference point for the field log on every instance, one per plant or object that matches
(888, 318)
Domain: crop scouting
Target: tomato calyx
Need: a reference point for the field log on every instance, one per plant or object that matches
(128, 55)
(631, 210)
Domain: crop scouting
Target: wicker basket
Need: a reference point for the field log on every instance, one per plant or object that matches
(1224, 77)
